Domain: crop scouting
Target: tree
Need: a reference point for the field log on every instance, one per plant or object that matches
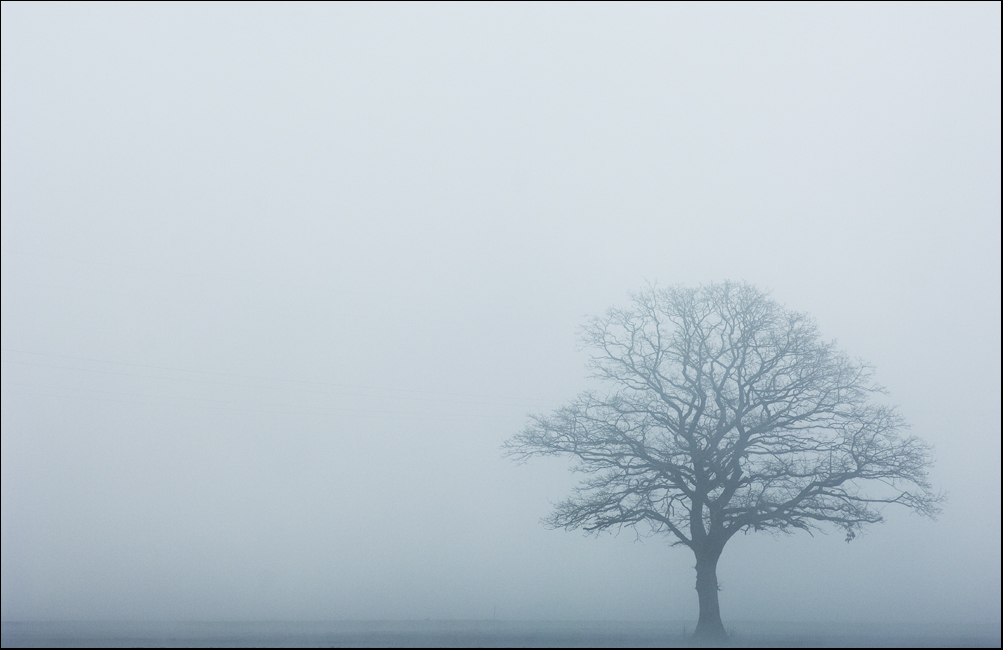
(725, 412)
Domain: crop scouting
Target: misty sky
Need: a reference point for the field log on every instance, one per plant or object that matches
(278, 281)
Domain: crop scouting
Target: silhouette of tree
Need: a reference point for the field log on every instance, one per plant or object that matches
(725, 412)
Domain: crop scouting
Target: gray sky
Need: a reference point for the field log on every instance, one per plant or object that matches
(278, 281)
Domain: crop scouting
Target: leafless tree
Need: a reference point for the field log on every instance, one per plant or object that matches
(725, 412)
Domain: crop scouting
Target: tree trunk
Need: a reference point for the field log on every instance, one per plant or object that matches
(709, 625)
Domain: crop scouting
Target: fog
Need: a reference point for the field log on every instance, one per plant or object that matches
(279, 280)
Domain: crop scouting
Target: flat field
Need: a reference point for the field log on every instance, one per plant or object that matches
(484, 634)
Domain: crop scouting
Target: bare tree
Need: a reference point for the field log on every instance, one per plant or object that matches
(725, 412)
